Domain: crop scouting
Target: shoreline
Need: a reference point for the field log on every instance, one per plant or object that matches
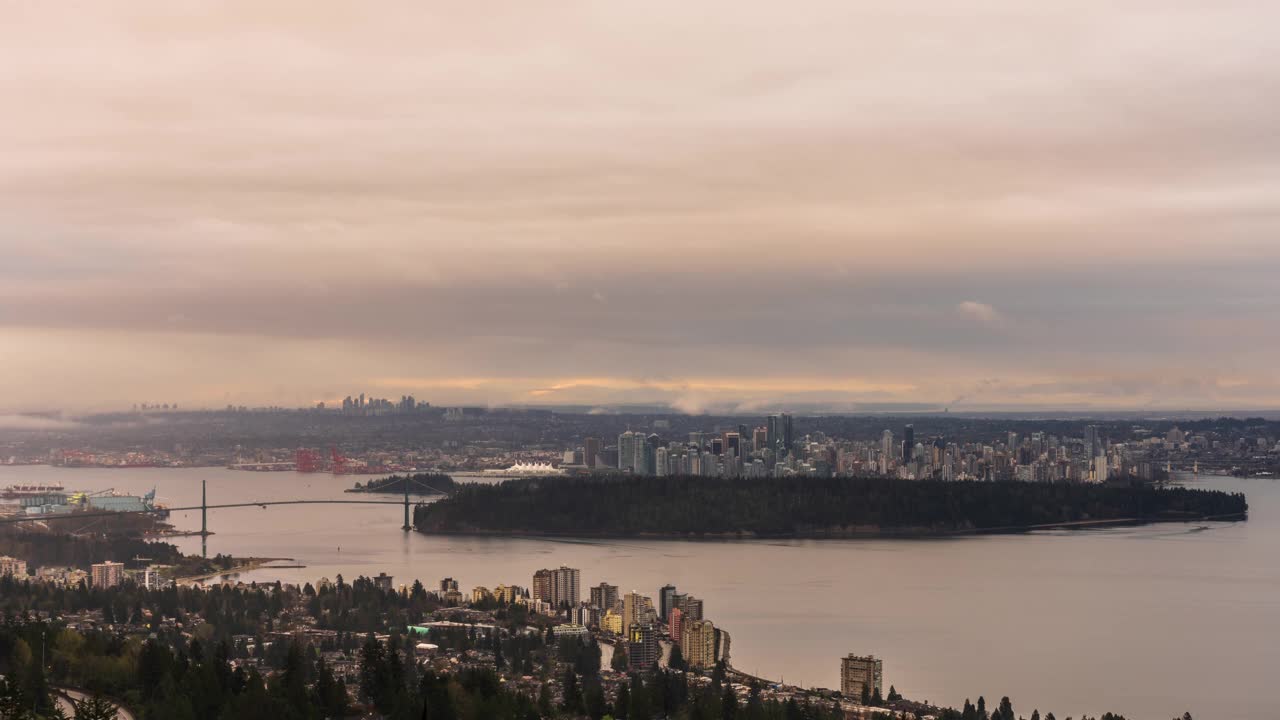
(412, 493)
(840, 534)
(248, 565)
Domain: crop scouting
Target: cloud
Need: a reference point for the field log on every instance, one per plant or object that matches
(279, 205)
(981, 312)
(35, 422)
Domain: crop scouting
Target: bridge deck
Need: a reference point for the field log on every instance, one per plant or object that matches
(263, 504)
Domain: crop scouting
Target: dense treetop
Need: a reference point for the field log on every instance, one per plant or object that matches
(419, 484)
(809, 507)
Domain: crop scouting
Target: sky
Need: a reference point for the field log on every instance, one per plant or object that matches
(715, 205)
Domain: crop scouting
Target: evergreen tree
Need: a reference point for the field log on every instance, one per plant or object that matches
(12, 702)
(154, 662)
(95, 708)
(437, 704)
(593, 698)
(728, 704)
(330, 694)
(676, 661)
(622, 704)
(640, 707)
(544, 701)
(619, 662)
(372, 668)
(293, 678)
(571, 702)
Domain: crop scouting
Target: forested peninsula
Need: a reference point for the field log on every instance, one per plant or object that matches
(419, 484)
(804, 507)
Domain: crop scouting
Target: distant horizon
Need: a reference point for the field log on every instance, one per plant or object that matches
(14, 419)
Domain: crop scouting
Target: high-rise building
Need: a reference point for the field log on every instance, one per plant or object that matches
(759, 439)
(541, 587)
(567, 587)
(557, 587)
(11, 566)
(698, 644)
(636, 609)
(448, 584)
(646, 454)
(690, 606)
(106, 574)
(627, 443)
(675, 625)
(590, 451)
(585, 615)
(788, 435)
(508, 593)
(642, 647)
(611, 622)
(604, 596)
(773, 428)
(731, 442)
(1092, 441)
(383, 582)
(908, 443)
(666, 600)
(886, 444)
(859, 672)
(151, 580)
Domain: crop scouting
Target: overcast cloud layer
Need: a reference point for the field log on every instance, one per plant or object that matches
(713, 204)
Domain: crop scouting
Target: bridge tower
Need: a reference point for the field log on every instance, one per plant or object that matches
(204, 518)
(407, 527)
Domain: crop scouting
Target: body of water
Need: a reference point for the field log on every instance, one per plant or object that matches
(1148, 622)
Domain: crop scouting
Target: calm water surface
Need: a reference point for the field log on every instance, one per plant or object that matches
(1148, 622)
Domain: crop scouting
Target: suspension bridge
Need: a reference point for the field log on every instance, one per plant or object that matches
(204, 507)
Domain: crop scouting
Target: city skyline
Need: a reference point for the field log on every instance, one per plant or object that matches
(849, 205)
(875, 359)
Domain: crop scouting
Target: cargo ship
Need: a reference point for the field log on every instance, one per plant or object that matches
(54, 500)
(17, 492)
